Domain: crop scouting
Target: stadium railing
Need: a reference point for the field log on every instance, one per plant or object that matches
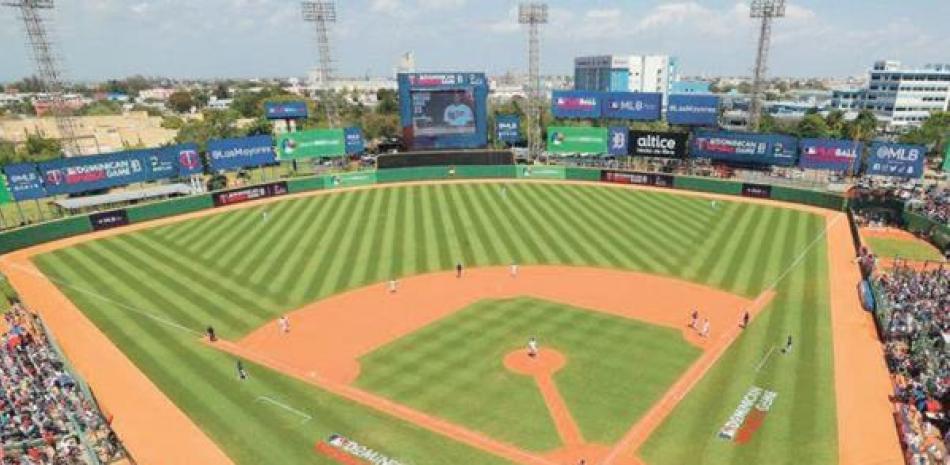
(45, 232)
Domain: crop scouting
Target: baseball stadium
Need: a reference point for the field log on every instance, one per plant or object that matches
(619, 295)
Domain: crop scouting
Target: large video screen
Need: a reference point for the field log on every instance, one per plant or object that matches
(443, 112)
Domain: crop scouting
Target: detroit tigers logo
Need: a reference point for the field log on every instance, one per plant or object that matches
(55, 177)
(618, 140)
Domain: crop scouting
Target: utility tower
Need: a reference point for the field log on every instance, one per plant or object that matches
(534, 14)
(766, 10)
(47, 68)
(322, 14)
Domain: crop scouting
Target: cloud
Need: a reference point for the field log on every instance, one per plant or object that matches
(610, 14)
(386, 6)
(441, 4)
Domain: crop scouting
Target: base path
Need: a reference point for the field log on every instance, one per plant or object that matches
(866, 431)
(329, 336)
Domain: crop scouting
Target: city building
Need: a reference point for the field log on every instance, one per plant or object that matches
(690, 87)
(626, 73)
(848, 99)
(905, 97)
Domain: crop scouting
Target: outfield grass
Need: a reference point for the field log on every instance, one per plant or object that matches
(238, 270)
(917, 250)
(616, 369)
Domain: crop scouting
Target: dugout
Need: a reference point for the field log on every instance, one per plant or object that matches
(446, 158)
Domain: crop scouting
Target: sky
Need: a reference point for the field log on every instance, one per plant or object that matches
(108, 39)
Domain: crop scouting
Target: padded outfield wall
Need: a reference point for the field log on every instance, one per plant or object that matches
(76, 225)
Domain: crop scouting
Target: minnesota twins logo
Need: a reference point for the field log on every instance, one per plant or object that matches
(55, 177)
(189, 160)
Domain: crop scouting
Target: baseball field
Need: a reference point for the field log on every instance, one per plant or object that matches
(436, 372)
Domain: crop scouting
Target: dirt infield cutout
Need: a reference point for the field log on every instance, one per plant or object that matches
(327, 355)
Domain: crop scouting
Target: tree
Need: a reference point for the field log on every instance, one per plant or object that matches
(100, 108)
(376, 125)
(813, 125)
(260, 126)
(8, 153)
(221, 91)
(39, 148)
(835, 122)
(934, 132)
(181, 101)
(387, 101)
(251, 104)
(212, 125)
(862, 128)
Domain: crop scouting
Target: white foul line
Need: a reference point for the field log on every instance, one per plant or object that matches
(286, 407)
(764, 359)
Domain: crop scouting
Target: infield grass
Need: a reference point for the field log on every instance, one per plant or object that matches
(238, 270)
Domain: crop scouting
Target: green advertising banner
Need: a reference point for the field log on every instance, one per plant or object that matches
(541, 172)
(313, 143)
(364, 178)
(581, 140)
(5, 196)
(946, 159)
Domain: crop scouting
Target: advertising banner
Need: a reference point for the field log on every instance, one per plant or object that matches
(541, 172)
(5, 195)
(579, 140)
(242, 152)
(109, 220)
(354, 141)
(618, 142)
(693, 110)
(896, 160)
(246, 194)
(508, 129)
(767, 149)
(639, 106)
(576, 104)
(640, 179)
(365, 178)
(658, 144)
(169, 162)
(444, 110)
(830, 154)
(285, 110)
(313, 143)
(759, 191)
(24, 181)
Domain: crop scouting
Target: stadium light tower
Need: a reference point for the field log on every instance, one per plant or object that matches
(766, 10)
(47, 68)
(534, 14)
(322, 14)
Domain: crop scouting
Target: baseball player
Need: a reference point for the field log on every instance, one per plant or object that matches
(514, 270)
(393, 285)
(788, 345)
(533, 347)
(458, 270)
(693, 319)
(283, 323)
(242, 373)
(705, 331)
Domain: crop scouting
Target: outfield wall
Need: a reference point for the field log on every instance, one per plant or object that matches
(72, 226)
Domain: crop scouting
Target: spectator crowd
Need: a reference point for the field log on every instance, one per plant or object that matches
(44, 415)
(914, 314)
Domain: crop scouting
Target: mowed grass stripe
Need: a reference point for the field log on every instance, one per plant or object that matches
(486, 232)
(668, 217)
(402, 251)
(748, 259)
(604, 245)
(512, 240)
(265, 254)
(344, 264)
(507, 213)
(524, 202)
(561, 228)
(712, 252)
(418, 240)
(464, 230)
(308, 240)
(305, 282)
(437, 230)
(776, 238)
(369, 264)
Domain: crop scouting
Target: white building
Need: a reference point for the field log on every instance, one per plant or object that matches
(903, 98)
(626, 73)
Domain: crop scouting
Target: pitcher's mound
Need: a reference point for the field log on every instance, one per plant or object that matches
(546, 363)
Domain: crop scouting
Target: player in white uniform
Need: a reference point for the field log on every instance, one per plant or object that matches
(514, 270)
(533, 347)
(393, 285)
(284, 324)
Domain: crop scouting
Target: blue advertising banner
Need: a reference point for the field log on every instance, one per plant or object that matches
(576, 104)
(24, 181)
(896, 160)
(693, 110)
(618, 141)
(508, 128)
(285, 110)
(354, 141)
(640, 106)
(768, 149)
(82, 174)
(830, 154)
(241, 152)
